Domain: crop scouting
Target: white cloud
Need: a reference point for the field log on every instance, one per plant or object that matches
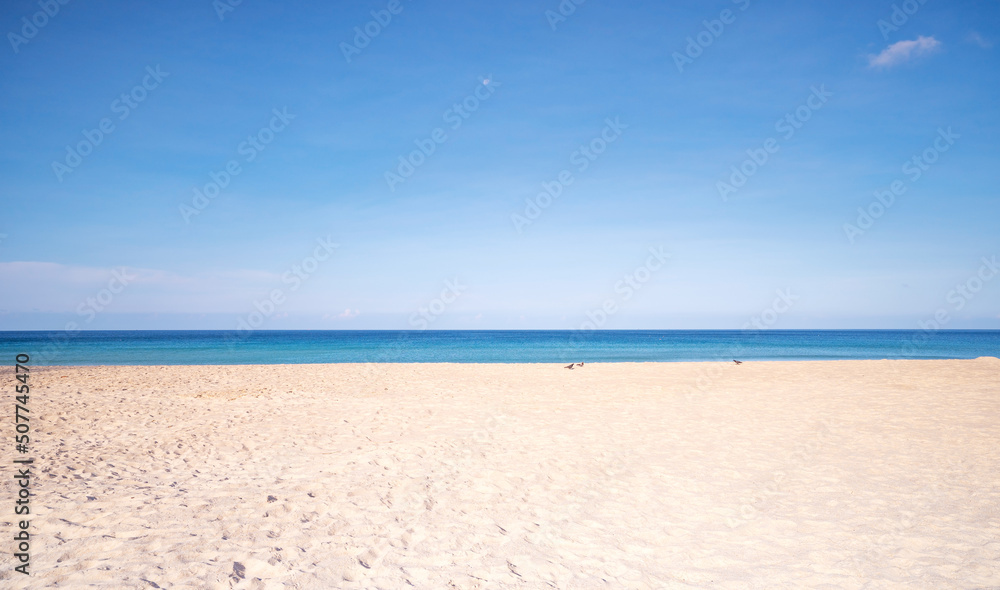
(86, 276)
(52, 287)
(978, 39)
(260, 276)
(11, 272)
(347, 314)
(903, 51)
(57, 275)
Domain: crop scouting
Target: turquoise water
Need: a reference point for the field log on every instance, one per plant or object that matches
(207, 347)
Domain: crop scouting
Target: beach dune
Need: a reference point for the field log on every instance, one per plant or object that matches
(833, 474)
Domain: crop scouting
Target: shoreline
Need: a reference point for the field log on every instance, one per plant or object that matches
(459, 364)
(142, 348)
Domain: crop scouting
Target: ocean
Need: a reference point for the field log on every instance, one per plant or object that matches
(221, 347)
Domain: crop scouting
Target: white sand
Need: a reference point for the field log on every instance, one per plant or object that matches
(847, 474)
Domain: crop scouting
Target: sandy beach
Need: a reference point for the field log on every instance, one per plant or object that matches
(834, 474)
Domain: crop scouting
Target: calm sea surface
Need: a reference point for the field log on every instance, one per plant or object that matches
(535, 346)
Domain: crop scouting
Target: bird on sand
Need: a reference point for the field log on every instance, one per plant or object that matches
(579, 364)
(737, 362)
(569, 366)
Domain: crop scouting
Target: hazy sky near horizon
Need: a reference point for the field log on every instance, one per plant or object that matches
(300, 129)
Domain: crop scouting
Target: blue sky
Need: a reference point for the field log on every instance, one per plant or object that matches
(449, 246)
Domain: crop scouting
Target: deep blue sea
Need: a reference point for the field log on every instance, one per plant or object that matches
(211, 347)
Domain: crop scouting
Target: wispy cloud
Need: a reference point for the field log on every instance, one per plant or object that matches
(11, 272)
(69, 275)
(979, 40)
(54, 287)
(903, 51)
(347, 314)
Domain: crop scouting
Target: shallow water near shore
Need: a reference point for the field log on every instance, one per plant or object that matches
(222, 347)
